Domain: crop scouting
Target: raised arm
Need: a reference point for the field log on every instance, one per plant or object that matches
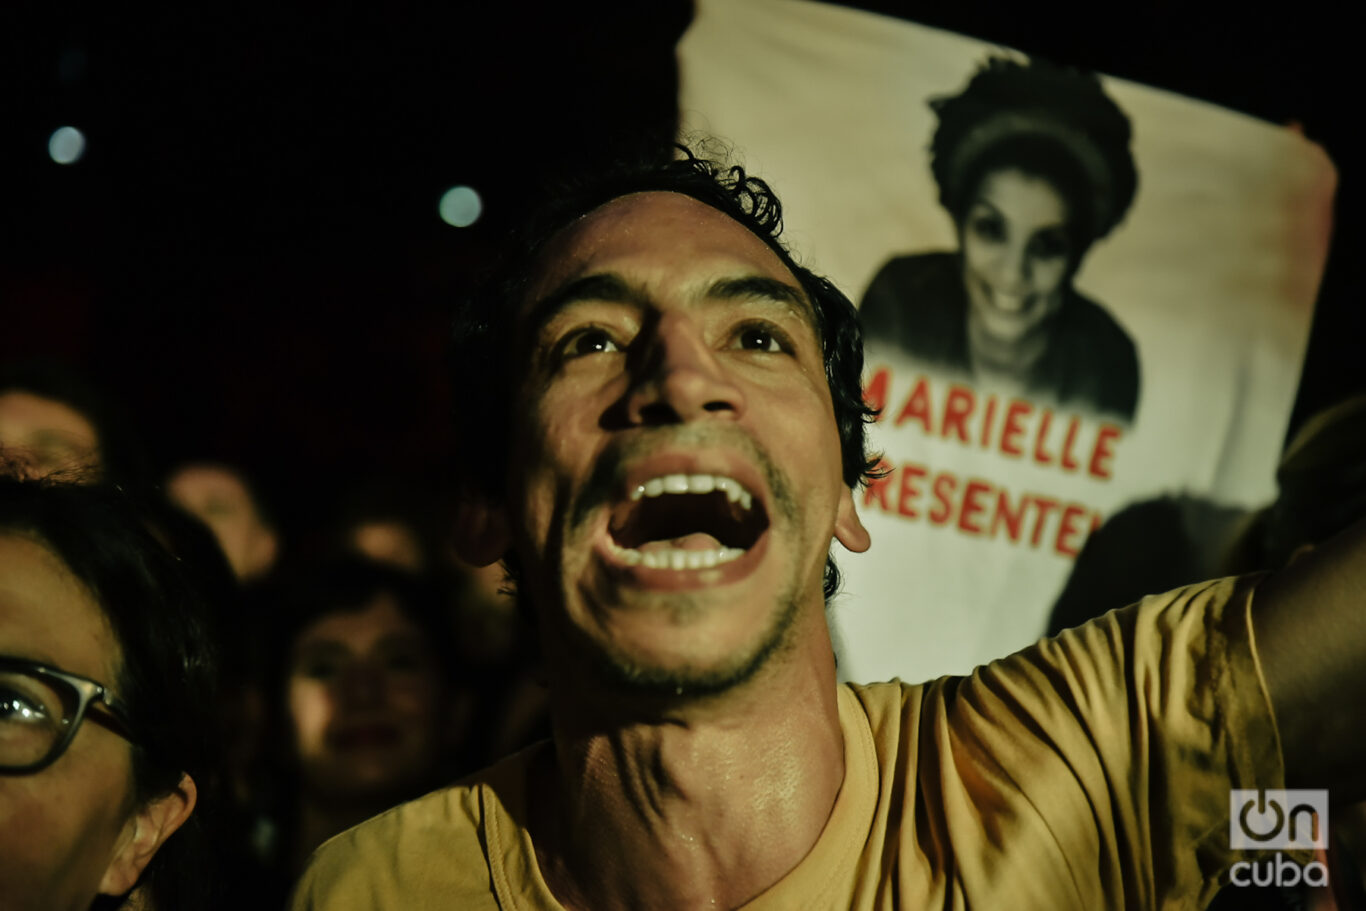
(1309, 621)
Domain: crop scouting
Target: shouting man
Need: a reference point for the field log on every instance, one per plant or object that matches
(680, 438)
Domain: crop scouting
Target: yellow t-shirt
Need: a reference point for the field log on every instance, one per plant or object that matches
(1090, 771)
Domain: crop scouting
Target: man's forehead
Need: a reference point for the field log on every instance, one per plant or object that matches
(666, 227)
(657, 234)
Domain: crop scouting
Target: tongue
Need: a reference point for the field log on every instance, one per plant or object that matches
(695, 541)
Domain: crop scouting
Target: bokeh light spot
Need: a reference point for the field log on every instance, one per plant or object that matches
(460, 206)
(66, 145)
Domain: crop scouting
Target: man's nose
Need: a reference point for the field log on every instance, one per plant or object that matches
(679, 377)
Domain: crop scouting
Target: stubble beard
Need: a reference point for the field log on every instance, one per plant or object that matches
(626, 674)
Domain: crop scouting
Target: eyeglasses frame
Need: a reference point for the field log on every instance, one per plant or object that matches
(113, 718)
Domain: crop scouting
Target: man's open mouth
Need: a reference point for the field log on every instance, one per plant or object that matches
(686, 521)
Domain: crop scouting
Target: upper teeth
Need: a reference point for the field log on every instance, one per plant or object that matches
(694, 483)
(673, 558)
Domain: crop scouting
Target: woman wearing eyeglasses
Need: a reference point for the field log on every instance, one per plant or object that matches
(105, 696)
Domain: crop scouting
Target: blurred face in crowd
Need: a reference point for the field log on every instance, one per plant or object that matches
(390, 542)
(71, 830)
(368, 704)
(45, 436)
(676, 481)
(221, 499)
(1016, 255)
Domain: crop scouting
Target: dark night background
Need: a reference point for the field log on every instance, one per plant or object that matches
(249, 254)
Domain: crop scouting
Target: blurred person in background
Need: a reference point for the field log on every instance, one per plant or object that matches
(367, 710)
(226, 507)
(390, 520)
(239, 710)
(106, 670)
(55, 421)
(223, 498)
(498, 652)
(397, 522)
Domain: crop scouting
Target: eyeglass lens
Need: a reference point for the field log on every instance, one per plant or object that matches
(34, 716)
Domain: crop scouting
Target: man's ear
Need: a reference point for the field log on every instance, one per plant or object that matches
(482, 531)
(849, 529)
(144, 832)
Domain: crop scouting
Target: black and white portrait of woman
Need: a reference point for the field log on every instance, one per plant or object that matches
(1033, 164)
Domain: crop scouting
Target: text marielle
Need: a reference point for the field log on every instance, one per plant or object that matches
(1016, 429)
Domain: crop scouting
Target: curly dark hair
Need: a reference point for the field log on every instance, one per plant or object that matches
(484, 321)
(1057, 122)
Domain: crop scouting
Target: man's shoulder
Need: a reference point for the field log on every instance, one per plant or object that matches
(885, 696)
(443, 814)
(892, 712)
(429, 851)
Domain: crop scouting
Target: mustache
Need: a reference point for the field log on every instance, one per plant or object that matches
(608, 476)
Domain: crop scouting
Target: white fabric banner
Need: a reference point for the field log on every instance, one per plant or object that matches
(1047, 343)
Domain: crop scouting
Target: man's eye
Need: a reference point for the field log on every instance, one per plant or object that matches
(760, 338)
(588, 341)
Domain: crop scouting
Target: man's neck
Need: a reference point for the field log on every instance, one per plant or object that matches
(706, 807)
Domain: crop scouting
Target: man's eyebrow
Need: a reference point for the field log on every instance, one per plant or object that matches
(759, 286)
(612, 288)
(600, 286)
